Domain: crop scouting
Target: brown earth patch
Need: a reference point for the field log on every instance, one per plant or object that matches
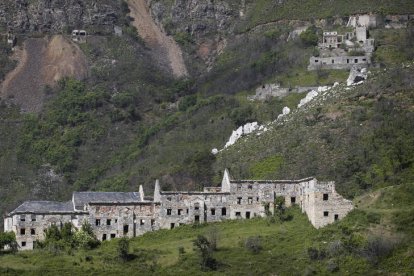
(165, 50)
(42, 62)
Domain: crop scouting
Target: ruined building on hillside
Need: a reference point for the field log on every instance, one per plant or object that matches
(114, 215)
(343, 51)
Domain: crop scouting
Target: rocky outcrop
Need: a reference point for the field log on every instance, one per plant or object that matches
(56, 16)
(197, 17)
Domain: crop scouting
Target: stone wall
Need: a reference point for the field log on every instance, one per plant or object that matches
(31, 227)
(235, 199)
(341, 62)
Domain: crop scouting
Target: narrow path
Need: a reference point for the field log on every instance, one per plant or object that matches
(166, 51)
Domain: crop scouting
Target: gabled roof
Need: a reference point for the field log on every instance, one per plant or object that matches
(44, 207)
(83, 198)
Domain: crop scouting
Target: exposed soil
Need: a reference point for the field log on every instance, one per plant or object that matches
(42, 62)
(165, 50)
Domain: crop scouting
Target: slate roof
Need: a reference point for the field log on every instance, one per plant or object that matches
(82, 198)
(44, 207)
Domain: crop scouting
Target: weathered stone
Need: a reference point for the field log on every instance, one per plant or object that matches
(114, 215)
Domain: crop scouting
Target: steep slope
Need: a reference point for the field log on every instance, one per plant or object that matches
(42, 63)
(165, 50)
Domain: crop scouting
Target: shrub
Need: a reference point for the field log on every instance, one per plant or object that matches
(316, 254)
(253, 244)
(123, 249)
(203, 246)
(187, 102)
(85, 238)
(213, 236)
(310, 36)
(378, 247)
(8, 239)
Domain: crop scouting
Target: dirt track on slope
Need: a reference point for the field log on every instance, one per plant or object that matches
(42, 62)
(166, 51)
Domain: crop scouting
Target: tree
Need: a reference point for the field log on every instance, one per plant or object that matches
(203, 246)
(85, 238)
(310, 36)
(123, 249)
(213, 237)
(8, 239)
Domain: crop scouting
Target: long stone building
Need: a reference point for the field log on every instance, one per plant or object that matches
(113, 214)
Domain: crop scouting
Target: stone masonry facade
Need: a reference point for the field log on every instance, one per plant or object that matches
(114, 215)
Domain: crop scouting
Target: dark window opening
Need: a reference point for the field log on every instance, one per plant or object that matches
(316, 60)
(356, 60)
(336, 217)
(257, 199)
(113, 236)
(152, 222)
(238, 214)
(347, 60)
(180, 211)
(22, 231)
(104, 237)
(250, 200)
(97, 222)
(169, 211)
(33, 218)
(223, 211)
(169, 198)
(326, 214)
(293, 200)
(116, 220)
(141, 222)
(333, 61)
(239, 199)
(108, 222)
(250, 187)
(22, 218)
(32, 231)
(213, 212)
(197, 219)
(325, 197)
(187, 211)
(172, 225)
(196, 206)
(247, 215)
(23, 244)
(126, 229)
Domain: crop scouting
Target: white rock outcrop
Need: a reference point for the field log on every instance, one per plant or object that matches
(285, 111)
(308, 98)
(243, 130)
(357, 76)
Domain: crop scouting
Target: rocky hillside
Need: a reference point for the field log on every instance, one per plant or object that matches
(124, 119)
(58, 16)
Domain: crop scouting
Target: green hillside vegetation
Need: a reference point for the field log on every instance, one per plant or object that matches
(362, 138)
(375, 238)
(265, 11)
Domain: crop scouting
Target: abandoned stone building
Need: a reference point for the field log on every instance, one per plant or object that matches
(343, 51)
(113, 214)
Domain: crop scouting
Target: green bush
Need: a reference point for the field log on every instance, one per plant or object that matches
(8, 239)
(310, 37)
(254, 244)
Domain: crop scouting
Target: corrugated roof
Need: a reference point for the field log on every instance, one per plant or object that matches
(82, 198)
(43, 207)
